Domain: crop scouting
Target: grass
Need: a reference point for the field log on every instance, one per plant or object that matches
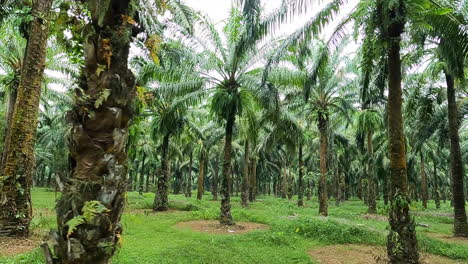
(152, 238)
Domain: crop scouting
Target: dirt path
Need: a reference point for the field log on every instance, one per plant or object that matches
(363, 254)
(213, 227)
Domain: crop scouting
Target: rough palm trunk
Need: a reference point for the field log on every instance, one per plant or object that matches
(226, 217)
(372, 204)
(201, 177)
(424, 194)
(188, 192)
(323, 196)
(401, 244)
(161, 201)
(300, 189)
(245, 178)
(253, 179)
(18, 169)
(89, 212)
(12, 95)
(456, 163)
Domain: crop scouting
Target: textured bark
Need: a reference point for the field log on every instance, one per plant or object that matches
(300, 187)
(18, 169)
(188, 191)
(245, 176)
(401, 244)
(201, 177)
(161, 200)
(12, 96)
(253, 179)
(323, 196)
(94, 195)
(372, 204)
(456, 164)
(424, 194)
(226, 217)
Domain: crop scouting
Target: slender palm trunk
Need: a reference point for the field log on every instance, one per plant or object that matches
(161, 200)
(201, 177)
(215, 179)
(253, 179)
(98, 149)
(456, 163)
(436, 186)
(18, 169)
(300, 189)
(188, 192)
(245, 174)
(323, 196)
(401, 244)
(424, 194)
(372, 204)
(226, 217)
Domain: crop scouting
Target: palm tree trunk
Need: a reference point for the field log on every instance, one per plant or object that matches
(284, 184)
(456, 163)
(424, 194)
(401, 244)
(300, 189)
(18, 169)
(253, 179)
(436, 186)
(12, 96)
(372, 204)
(201, 177)
(215, 179)
(98, 153)
(323, 196)
(161, 201)
(245, 179)
(188, 192)
(226, 217)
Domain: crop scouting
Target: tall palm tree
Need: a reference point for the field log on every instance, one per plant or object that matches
(17, 173)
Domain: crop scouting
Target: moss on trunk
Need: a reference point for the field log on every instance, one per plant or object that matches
(19, 162)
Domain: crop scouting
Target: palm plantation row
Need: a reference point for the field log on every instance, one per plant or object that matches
(159, 98)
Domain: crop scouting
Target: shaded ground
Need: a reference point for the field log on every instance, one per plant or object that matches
(213, 227)
(363, 254)
(12, 246)
(449, 239)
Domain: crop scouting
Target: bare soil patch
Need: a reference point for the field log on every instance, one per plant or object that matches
(375, 217)
(16, 246)
(214, 227)
(449, 239)
(364, 254)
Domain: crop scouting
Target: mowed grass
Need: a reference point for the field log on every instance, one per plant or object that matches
(153, 238)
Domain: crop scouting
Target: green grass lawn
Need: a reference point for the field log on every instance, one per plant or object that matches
(152, 238)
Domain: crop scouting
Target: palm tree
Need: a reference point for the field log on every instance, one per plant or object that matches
(369, 121)
(325, 91)
(95, 192)
(15, 192)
